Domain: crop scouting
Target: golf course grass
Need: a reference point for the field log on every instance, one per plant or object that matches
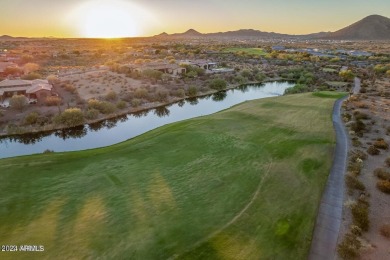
(243, 183)
(249, 51)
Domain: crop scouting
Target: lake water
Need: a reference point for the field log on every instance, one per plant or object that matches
(119, 129)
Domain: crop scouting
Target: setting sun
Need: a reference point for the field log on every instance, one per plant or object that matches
(111, 19)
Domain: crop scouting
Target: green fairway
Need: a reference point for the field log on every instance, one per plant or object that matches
(248, 51)
(243, 183)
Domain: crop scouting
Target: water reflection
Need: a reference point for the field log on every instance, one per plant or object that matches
(141, 113)
(192, 101)
(181, 103)
(220, 96)
(120, 128)
(161, 111)
(74, 132)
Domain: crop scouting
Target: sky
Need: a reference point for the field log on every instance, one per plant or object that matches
(120, 18)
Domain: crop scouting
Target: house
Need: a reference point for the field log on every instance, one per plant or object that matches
(172, 69)
(33, 89)
(204, 64)
(278, 48)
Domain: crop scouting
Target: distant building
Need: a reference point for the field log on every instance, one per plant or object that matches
(360, 53)
(204, 64)
(33, 89)
(167, 68)
(278, 48)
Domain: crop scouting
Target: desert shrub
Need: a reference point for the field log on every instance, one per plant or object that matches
(385, 230)
(32, 76)
(382, 174)
(218, 84)
(353, 183)
(356, 230)
(347, 116)
(192, 91)
(141, 93)
(381, 144)
(162, 95)
(103, 107)
(18, 102)
(349, 247)
(91, 114)
(298, 88)
(357, 154)
(70, 117)
(373, 150)
(359, 212)
(384, 186)
(111, 96)
(121, 104)
(356, 142)
(127, 97)
(94, 103)
(43, 120)
(135, 102)
(354, 167)
(360, 115)
(387, 162)
(107, 108)
(358, 126)
(31, 118)
(53, 101)
(240, 80)
(180, 93)
(70, 88)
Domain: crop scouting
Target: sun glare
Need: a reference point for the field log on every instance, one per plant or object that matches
(110, 19)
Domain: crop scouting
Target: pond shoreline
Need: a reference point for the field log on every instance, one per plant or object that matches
(128, 111)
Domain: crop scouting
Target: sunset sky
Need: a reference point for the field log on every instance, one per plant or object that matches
(119, 18)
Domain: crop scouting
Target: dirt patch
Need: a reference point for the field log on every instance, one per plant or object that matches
(372, 108)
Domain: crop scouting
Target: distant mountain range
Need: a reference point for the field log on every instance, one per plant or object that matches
(373, 27)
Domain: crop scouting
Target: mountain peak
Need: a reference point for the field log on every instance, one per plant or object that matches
(373, 27)
(192, 32)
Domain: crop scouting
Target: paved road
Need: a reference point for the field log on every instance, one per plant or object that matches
(326, 231)
(357, 87)
(329, 216)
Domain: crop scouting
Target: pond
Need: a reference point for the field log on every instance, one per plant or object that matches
(124, 127)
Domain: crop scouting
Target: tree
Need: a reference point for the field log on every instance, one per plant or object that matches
(246, 73)
(70, 117)
(12, 71)
(30, 67)
(347, 75)
(53, 101)
(31, 118)
(53, 79)
(192, 91)
(218, 84)
(32, 76)
(18, 102)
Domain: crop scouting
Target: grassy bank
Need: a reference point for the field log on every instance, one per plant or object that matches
(240, 184)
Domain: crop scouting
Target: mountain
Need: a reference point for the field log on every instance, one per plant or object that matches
(247, 33)
(373, 27)
(9, 38)
(188, 34)
(6, 37)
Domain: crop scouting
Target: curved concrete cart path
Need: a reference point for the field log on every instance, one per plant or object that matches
(329, 216)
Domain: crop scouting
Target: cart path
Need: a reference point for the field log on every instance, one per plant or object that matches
(329, 217)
